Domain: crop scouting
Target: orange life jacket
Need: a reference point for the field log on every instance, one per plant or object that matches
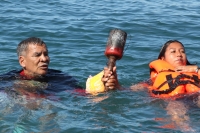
(168, 83)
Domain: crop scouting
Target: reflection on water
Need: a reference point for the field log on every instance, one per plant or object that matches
(33, 102)
(54, 113)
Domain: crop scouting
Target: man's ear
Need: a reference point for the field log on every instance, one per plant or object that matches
(22, 61)
(162, 58)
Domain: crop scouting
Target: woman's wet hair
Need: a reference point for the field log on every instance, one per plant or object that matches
(164, 47)
(23, 45)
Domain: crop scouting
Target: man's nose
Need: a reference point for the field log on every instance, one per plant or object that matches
(44, 58)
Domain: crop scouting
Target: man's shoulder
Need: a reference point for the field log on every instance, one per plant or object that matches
(59, 75)
(9, 75)
(55, 73)
(61, 80)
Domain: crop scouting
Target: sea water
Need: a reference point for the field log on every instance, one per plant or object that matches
(76, 33)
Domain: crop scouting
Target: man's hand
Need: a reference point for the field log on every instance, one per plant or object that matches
(110, 79)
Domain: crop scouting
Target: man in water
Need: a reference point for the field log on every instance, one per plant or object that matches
(34, 59)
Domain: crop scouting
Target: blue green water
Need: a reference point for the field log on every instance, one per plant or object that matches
(76, 33)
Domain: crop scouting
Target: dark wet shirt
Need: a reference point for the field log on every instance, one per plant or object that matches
(54, 81)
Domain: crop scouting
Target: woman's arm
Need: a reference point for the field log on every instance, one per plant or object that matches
(188, 68)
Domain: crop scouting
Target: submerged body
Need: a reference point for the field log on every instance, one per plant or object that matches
(53, 82)
(174, 77)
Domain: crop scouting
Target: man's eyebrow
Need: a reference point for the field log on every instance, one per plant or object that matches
(36, 53)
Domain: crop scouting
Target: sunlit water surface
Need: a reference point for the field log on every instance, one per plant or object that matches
(76, 33)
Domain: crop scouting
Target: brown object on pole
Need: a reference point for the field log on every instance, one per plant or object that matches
(115, 46)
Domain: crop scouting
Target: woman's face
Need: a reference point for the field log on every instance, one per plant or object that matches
(175, 55)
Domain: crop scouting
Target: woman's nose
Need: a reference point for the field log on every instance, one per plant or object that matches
(179, 53)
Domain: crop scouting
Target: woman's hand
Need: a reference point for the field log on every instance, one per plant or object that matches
(188, 68)
(110, 79)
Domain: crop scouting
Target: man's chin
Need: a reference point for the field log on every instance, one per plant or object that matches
(40, 73)
(43, 72)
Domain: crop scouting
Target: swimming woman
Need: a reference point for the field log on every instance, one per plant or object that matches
(172, 74)
(173, 77)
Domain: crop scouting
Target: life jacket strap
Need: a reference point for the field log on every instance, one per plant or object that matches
(177, 82)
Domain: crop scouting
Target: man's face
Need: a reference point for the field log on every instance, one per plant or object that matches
(35, 61)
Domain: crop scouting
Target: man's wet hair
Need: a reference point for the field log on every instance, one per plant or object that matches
(23, 45)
